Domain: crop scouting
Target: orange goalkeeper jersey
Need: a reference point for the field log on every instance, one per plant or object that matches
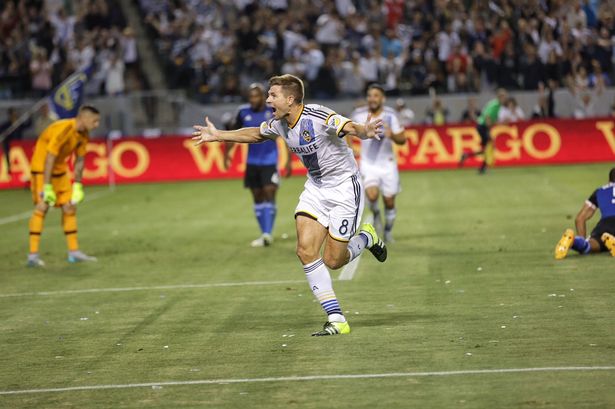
(61, 139)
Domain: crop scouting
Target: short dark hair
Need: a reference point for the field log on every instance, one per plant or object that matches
(376, 86)
(612, 175)
(256, 87)
(290, 84)
(89, 108)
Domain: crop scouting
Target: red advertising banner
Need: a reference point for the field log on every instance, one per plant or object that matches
(429, 147)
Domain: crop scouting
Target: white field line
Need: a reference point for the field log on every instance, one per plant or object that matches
(150, 288)
(26, 215)
(311, 378)
(350, 269)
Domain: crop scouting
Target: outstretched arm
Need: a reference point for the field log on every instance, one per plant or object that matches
(584, 215)
(209, 133)
(371, 129)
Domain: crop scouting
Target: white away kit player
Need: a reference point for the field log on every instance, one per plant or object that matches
(330, 206)
(378, 161)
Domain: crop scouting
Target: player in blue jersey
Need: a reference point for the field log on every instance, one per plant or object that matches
(261, 176)
(602, 237)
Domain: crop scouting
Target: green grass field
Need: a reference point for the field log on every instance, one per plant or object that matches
(470, 284)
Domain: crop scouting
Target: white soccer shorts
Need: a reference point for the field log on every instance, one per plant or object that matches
(383, 176)
(338, 208)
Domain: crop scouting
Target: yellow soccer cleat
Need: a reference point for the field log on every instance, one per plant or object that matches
(333, 328)
(564, 244)
(609, 242)
(377, 248)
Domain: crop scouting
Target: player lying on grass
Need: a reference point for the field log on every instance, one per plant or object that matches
(50, 182)
(331, 204)
(602, 237)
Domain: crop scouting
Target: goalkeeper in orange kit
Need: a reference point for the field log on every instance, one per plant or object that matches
(51, 184)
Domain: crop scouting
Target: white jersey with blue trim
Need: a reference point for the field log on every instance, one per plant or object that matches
(317, 138)
(376, 151)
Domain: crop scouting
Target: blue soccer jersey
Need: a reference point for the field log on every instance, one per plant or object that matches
(260, 154)
(604, 199)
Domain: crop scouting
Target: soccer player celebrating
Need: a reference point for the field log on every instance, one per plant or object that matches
(261, 175)
(487, 119)
(378, 162)
(332, 202)
(602, 237)
(50, 183)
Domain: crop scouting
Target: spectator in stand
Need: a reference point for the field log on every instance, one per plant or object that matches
(369, 68)
(325, 84)
(349, 79)
(437, 114)
(130, 55)
(405, 114)
(532, 69)
(471, 113)
(545, 107)
(510, 112)
(114, 76)
(40, 71)
(585, 107)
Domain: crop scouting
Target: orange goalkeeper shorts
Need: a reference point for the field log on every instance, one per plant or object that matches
(60, 183)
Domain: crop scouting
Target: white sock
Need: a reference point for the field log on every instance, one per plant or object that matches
(357, 244)
(389, 217)
(321, 285)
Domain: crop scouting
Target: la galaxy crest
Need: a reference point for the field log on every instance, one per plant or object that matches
(306, 132)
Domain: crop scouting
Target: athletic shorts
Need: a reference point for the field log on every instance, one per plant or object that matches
(338, 208)
(604, 226)
(485, 135)
(257, 177)
(383, 176)
(61, 186)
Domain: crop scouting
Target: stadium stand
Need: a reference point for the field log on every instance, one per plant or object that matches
(340, 46)
(43, 42)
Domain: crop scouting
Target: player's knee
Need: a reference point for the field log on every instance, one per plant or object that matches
(42, 207)
(305, 254)
(333, 262)
(389, 203)
(69, 209)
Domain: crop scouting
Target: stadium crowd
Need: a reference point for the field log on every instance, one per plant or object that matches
(43, 41)
(410, 46)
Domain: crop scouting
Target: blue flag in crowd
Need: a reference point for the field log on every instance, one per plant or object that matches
(67, 97)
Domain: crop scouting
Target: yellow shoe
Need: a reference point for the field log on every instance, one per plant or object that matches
(561, 250)
(333, 328)
(609, 242)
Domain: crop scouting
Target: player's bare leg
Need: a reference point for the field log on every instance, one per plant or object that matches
(36, 228)
(69, 224)
(372, 193)
(310, 237)
(609, 242)
(390, 213)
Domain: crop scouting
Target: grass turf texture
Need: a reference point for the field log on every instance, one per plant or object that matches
(472, 272)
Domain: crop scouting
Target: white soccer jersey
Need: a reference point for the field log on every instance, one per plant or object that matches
(374, 151)
(317, 138)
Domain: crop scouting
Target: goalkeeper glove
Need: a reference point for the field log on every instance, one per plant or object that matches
(49, 196)
(78, 195)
